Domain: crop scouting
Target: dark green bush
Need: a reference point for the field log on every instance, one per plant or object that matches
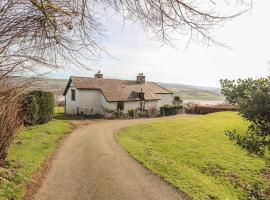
(46, 106)
(133, 113)
(252, 97)
(30, 109)
(170, 109)
(38, 107)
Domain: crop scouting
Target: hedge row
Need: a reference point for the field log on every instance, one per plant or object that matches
(205, 109)
(37, 107)
(170, 110)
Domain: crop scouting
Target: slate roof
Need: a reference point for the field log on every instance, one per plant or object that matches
(119, 90)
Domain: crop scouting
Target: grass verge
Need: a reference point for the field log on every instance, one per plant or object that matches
(194, 155)
(59, 109)
(30, 149)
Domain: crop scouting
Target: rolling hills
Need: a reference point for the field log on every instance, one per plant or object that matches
(186, 92)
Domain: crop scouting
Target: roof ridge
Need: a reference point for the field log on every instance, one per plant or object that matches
(118, 89)
(108, 79)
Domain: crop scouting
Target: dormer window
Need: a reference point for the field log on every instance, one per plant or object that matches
(141, 95)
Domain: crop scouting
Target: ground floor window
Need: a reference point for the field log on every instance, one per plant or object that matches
(120, 105)
(73, 95)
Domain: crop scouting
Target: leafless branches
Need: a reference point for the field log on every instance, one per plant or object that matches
(10, 109)
(55, 33)
(196, 18)
(37, 33)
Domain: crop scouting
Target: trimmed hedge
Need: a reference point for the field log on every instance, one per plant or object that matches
(206, 109)
(30, 109)
(170, 110)
(38, 107)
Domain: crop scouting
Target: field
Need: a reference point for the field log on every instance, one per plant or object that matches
(59, 109)
(32, 146)
(194, 155)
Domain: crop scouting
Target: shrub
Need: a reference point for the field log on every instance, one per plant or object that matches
(252, 96)
(170, 110)
(206, 109)
(46, 106)
(177, 100)
(10, 118)
(38, 107)
(30, 109)
(153, 111)
(98, 116)
(133, 113)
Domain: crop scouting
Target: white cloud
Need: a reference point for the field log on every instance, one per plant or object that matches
(248, 35)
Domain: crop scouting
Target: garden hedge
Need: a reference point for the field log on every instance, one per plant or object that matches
(170, 109)
(30, 109)
(37, 107)
(206, 109)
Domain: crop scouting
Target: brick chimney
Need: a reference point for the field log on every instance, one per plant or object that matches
(141, 78)
(98, 74)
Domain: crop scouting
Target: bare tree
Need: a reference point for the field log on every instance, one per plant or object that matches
(55, 33)
(10, 109)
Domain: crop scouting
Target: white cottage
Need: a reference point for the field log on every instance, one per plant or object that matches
(92, 95)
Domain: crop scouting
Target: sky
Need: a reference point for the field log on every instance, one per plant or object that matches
(132, 52)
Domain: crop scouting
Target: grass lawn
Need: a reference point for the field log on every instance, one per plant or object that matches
(59, 109)
(195, 156)
(31, 147)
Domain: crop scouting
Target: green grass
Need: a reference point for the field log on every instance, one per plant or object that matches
(59, 109)
(195, 156)
(31, 147)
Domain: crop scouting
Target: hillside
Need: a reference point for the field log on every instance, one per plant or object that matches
(186, 92)
(189, 92)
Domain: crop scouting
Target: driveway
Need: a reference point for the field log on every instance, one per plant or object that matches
(90, 164)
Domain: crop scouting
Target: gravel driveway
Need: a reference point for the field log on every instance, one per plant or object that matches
(90, 164)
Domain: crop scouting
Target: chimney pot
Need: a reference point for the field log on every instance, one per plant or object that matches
(98, 74)
(141, 78)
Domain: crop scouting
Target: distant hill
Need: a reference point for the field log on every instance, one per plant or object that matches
(190, 92)
(186, 92)
(52, 85)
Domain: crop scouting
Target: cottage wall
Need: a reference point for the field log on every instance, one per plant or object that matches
(108, 105)
(94, 102)
(131, 105)
(90, 102)
(149, 105)
(165, 99)
(71, 106)
(86, 101)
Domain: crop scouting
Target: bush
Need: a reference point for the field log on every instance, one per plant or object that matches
(206, 109)
(170, 110)
(133, 113)
(153, 112)
(252, 97)
(177, 100)
(46, 106)
(38, 107)
(30, 109)
(10, 118)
